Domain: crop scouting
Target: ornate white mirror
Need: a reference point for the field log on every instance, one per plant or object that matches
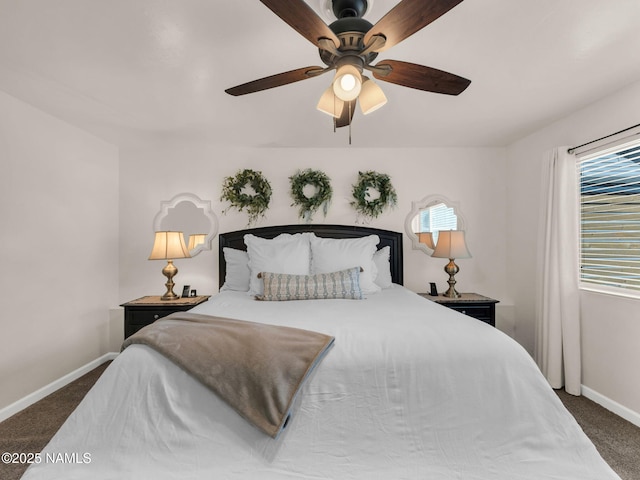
(190, 215)
(427, 217)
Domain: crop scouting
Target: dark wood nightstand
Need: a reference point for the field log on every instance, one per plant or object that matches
(146, 310)
(476, 306)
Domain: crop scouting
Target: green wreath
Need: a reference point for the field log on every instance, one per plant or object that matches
(366, 206)
(255, 205)
(310, 205)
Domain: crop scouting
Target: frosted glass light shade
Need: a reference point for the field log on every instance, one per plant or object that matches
(169, 245)
(347, 83)
(330, 104)
(451, 244)
(371, 96)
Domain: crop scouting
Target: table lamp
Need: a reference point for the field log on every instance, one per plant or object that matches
(196, 239)
(451, 244)
(427, 239)
(169, 246)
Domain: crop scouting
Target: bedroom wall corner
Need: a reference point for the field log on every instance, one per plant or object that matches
(610, 326)
(59, 214)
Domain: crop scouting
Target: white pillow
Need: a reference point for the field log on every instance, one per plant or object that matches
(333, 254)
(381, 259)
(283, 254)
(237, 274)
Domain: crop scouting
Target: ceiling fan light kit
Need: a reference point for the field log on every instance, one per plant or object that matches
(371, 96)
(347, 83)
(330, 104)
(350, 45)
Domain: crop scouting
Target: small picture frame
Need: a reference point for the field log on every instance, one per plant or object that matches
(185, 291)
(434, 290)
(193, 293)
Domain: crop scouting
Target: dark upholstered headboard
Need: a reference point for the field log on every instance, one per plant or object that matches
(387, 238)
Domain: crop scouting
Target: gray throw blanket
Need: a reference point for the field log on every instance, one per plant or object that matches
(256, 368)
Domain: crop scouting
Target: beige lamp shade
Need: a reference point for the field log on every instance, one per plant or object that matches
(169, 245)
(427, 239)
(371, 96)
(196, 239)
(347, 83)
(330, 104)
(451, 244)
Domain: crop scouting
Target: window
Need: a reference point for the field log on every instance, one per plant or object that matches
(610, 218)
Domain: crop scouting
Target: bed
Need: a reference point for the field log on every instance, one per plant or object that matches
(408, 390)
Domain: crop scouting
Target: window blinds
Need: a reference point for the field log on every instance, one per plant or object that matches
(610, 218)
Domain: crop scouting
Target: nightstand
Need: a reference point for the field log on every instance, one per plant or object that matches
(476, 306)
(146, 310)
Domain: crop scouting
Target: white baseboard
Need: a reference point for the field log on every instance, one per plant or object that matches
(612, 405)
(39, 394)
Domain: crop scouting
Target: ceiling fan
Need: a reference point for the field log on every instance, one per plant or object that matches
(350, 45)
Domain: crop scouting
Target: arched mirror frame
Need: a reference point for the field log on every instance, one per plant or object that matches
(205, 205)
(416, 207)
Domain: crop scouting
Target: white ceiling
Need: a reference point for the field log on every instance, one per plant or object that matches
(128, 70)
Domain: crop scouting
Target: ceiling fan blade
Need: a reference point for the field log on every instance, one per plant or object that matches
(272, 81)
(420, 77)
(406, 18)
(347, 114)
(303, 19)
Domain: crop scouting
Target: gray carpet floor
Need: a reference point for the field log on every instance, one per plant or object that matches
(30, 430)
(617, 440)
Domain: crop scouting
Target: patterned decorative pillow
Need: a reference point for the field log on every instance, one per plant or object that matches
(281, 286)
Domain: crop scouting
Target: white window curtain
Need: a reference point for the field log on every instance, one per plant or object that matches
(557, 349)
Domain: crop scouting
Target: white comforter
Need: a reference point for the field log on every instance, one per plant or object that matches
(410, 390)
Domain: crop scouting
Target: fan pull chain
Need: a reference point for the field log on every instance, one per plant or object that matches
(335, 120)
(349, 103)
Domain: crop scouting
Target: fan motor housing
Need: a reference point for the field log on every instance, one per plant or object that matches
(350, 31)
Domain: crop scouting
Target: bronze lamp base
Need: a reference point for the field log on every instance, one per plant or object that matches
(451, 268)
(169, 271)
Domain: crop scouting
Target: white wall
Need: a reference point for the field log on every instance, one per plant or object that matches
(61, 186)
(610, 325)
(473, 177)
(58, 248)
